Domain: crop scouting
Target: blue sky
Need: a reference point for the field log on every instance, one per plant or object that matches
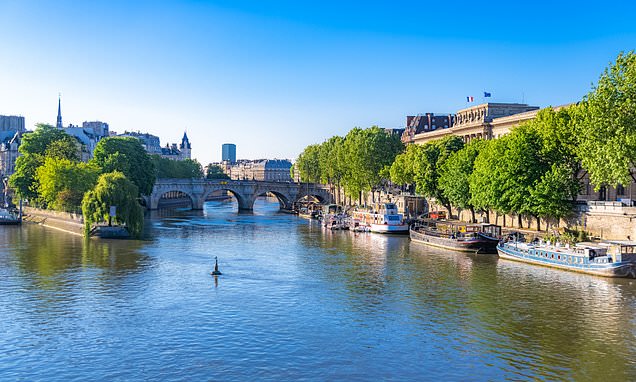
(275, 76)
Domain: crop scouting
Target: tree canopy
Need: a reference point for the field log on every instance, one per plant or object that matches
(169, 168)
(62, 182)
(45, 141)
(128, 156)
(114, 189)
(358, 162)
(213, 171)
(308, 164)
(606, 124)
(454, 178)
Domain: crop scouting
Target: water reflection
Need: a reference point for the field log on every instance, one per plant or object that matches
(296, 302)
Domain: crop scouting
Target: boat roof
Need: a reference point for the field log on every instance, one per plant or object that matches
(629, 243)
(591, 245)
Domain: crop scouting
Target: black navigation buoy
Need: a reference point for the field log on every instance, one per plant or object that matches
(216, 271)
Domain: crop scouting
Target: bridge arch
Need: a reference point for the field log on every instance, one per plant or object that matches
(243, 202)
(320, 197)
(245, 191)
(156, 198)
(284, 201)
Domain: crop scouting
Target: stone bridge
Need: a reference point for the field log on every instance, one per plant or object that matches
(245, 191)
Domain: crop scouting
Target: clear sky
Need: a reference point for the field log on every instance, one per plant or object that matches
(275, 76)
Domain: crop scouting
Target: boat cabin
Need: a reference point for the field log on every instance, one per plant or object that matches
(331, 209)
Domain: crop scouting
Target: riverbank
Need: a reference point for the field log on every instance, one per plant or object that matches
(61, 221)
(71, 223)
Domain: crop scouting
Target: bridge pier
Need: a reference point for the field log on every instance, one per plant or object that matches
(245, 191)
(245, 203)
(197, 202)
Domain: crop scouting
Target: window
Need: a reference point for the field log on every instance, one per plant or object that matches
(620, 190)
(585, 190)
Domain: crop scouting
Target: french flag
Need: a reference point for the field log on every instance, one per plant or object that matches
(470, 99)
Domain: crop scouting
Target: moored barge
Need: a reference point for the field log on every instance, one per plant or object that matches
(464, 237)
(610, 259)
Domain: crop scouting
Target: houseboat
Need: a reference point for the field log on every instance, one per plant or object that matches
(309, 211)
(611, 259)
(9, 218)
(333, 217)
(384, 218)
(458, 236)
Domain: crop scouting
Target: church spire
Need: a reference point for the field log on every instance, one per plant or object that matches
(59, 112)
(185, 142)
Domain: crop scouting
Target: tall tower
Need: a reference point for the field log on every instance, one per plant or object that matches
(228, 152)
(59, 113)
(185, 148)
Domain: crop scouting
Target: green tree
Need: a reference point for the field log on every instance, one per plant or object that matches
(34, 148)
(606, 124)
(214, 171)
(331, 162)
(113, 189)
(182, 169)
(454, 176)
(486, 183)
(308, 164)
(552, 196)
(366, 153)
(23, 179)
(126, 155)
(65, 148)
(523, 167)
(62, 182)
(39, 140)
(427, 164)
(403, 167)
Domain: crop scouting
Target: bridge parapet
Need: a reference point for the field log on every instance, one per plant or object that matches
(245, 191)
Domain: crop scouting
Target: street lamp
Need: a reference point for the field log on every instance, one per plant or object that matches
(5, 189)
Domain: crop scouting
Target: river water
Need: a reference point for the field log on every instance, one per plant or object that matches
(296, 302)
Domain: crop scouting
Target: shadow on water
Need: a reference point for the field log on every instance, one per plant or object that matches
(525, 321)
(296, 301)
(47, 253)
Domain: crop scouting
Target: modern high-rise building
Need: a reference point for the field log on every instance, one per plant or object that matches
(228, 153)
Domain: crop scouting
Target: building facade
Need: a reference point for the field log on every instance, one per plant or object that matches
(493, 120)
(11, 130)
(9, 144)
(228, 152)
(12, 123)
(87, 135)
(153, 146)
(474, 122)
(182, 151)
(271, 170)
(150, 142)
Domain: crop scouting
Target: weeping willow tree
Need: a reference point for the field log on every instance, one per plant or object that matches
(113, 189)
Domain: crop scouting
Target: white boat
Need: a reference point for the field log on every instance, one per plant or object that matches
(384, 218)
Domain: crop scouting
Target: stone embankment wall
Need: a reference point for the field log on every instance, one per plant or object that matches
(68, 222)
(610, 220)
(605, 220)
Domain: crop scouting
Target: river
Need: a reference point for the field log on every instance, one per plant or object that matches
(296, 302)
